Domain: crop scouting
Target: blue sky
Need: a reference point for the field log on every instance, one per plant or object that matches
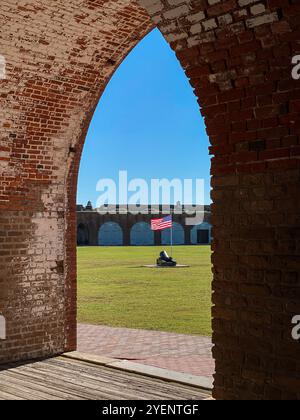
(147, 122)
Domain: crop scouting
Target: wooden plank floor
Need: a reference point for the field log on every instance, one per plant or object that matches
(64, 379)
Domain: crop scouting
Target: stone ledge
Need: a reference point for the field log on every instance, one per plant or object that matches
(151, 371)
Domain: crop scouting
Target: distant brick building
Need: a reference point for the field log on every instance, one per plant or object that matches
(126, 229)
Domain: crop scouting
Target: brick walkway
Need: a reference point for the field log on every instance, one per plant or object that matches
(178, 352)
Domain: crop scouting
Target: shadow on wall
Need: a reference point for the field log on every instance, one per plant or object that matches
(178, 235)
(110, 234)
(142, 235)
(83, 235)
(201, 234)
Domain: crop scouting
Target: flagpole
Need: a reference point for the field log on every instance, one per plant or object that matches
(172, 239)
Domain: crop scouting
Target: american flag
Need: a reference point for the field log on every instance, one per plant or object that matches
(161, 224)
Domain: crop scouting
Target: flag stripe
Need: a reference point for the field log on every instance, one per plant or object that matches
(161, 224)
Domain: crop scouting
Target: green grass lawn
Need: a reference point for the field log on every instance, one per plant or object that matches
(114, 290)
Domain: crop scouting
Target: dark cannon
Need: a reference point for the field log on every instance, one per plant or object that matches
(165, 261)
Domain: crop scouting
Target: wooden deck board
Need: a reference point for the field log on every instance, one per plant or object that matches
(64, 379)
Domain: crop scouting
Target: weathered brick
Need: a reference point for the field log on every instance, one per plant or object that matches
(258, 9)
(262, 20)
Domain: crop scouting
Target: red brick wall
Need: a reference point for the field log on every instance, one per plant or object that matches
(59, 58)
(237, 54)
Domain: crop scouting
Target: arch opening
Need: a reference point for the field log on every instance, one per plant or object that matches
(201, 234)
(178, 235)
(144, 123)
(110, 234)
(83, 235)
(141, 235)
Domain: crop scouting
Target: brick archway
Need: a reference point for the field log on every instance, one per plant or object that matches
(237, 54)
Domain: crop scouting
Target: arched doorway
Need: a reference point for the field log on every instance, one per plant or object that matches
(141, 235)
(82, 235)
(110, 234)
(201, 234)
(178, 235)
